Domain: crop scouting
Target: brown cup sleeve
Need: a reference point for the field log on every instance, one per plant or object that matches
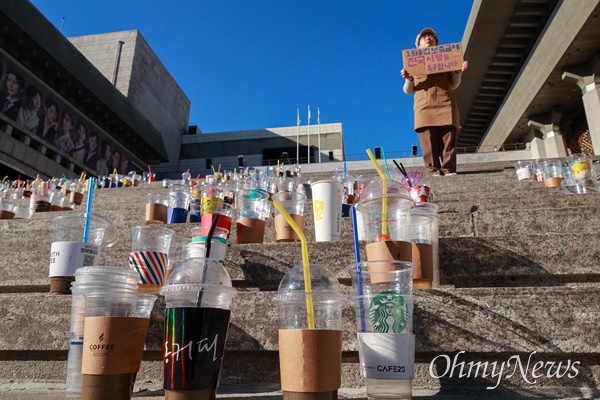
(310, 360)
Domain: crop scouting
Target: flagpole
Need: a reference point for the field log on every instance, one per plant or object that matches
(308, 134)
(319, 131)
(298, 135)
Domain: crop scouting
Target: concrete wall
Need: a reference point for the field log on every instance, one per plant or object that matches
(145, 81)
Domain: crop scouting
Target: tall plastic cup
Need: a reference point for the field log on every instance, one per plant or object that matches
(68, 252)
(327, 210)
(7, 209)
(179, 203)
(383, 303)
(149, 256)
(253, 209)
(524, 170)
(386, 216)
(115, 329)
(209, 210)
(293, 203)
(552, 173)
(424, 236)
(179, 251)
(310, 357)
(88, 280)
(198, 298)
(156, 208)
(581, 167)
(218, 249)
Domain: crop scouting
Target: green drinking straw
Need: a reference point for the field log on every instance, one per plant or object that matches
(385, 163)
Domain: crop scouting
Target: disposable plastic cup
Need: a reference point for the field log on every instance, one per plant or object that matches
(179, 202)
(424, 236)
(156, 208)
(88, 280)
(149, 256)
(310, 357)
(199, 233)
(386, 220)
(327, 198)
(293, 203)
(383, 304)
(524, 170)
(253, 209)
(209, 211)
(178, 252)
(198, 297)
(68, 252)
(115, 329)
(581, 167)
(552, 173)
(7, 209)
(76, 194)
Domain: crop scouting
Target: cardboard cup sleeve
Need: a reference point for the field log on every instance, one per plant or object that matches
(250, 230)
(284, 232)
(310, 360)
(76, 197)
(389, 250)
(156, 213)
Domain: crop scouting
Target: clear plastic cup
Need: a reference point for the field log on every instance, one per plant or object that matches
(156, 208)
(552, 173)
(524, 170)
(383, 304)
(115, 331)
(310, 356)
(386, 220)
(293, 203)
(198, 297)
(253, 209)
(7, 209)
(149, 255)
(424, 236)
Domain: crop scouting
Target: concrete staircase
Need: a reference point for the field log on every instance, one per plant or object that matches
(520, 274)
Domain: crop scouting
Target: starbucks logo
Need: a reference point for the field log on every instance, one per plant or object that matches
(388, 312)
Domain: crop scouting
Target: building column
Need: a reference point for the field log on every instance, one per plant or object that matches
(587, 77)
(552, 143)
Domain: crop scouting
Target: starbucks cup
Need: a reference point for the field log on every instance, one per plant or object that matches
(293, 203)
(386, 217)
(115, 329)
(149, 256)
(327, 210)
(253, 209)
(198, 298)
(156, 208)
(383, 303)
(310, 353)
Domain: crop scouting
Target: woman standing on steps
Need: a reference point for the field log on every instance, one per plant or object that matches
(436, 111)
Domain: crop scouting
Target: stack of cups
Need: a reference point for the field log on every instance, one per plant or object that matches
(115, 329)
(293, 203)
(198, 298)
(88, 280)
(328, 197)
(424, 236)
(197, 247)
(385, 207)
(253, 208)
(383, 304)
(149, 256)
(310, 334)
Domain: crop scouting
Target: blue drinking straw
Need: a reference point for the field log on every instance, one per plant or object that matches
(88, 211)
(385, 163)
(358, 269)
(345, 174)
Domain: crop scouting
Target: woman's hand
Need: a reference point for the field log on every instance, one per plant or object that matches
(406, 75)
(465, 65)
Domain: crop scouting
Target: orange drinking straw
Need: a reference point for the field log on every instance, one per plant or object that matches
(310, 311)
(384, 192)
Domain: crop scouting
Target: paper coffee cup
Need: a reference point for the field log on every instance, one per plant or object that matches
(327, 209)
(250, 230)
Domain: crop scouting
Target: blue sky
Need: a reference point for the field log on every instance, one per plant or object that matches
(250, 64)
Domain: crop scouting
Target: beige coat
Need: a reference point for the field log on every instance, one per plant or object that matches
(435, 104)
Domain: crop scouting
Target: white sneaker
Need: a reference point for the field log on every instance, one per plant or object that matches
(436, 174)
(451, 174)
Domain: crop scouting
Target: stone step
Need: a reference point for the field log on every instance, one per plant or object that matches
(531, 260)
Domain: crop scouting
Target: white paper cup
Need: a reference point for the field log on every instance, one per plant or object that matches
(327, 209)
(218, 250)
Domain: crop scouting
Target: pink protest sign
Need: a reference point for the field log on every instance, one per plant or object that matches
(433, 60)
